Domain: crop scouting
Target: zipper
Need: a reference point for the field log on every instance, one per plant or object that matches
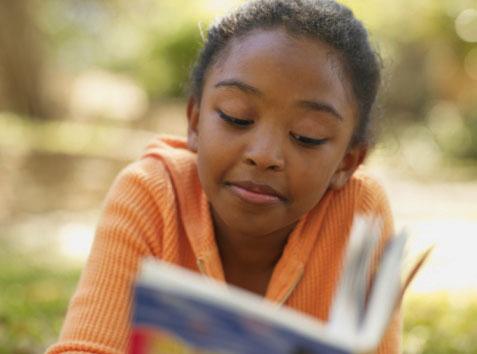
(291, 288)
(201, 266)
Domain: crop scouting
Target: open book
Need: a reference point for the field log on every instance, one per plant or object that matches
(178, 311)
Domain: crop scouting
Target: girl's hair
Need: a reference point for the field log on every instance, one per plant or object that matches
(324, 20)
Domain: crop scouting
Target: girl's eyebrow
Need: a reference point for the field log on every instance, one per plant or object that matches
(320, 106)
(242, 86)
(312, 105)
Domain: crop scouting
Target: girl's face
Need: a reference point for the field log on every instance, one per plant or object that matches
(272, 131)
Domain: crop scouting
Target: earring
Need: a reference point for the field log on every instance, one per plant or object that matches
(338, 180)
(192, 142)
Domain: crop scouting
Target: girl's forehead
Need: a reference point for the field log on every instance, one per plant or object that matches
(285, 64)
(279, 47)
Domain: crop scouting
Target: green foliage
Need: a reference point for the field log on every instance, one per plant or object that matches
(154, 42)
(33, 301)
(440, 324)
(165, 65)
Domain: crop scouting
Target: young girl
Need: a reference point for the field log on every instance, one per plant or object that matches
(263, 192)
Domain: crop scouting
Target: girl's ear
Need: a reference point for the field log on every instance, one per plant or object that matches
(193, 123)
(353, 158)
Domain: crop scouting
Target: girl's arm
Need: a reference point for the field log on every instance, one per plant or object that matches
(130, 227)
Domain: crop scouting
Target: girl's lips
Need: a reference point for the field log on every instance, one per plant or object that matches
(259, 195)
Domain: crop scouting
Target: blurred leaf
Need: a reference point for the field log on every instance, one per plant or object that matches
(440, 324)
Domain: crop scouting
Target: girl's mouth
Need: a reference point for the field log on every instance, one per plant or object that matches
(255, 193)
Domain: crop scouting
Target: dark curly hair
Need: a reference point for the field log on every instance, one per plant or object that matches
(325, 20)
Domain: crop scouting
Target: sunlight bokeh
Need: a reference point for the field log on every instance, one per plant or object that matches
(451, 266)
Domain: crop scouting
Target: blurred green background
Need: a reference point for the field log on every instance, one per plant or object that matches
(85, 84)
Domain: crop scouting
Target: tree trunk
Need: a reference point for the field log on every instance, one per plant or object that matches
(21, 88)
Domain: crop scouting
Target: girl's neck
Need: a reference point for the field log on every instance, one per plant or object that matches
(248, 260)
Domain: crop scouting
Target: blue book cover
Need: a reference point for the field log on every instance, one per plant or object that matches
(179, 323)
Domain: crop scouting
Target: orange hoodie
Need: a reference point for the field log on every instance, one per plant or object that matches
(156, 207)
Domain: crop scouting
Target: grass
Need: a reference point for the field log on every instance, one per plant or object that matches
(440, 324)
(33, 300)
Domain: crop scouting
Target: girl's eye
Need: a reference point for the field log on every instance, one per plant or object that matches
(235, 121)
(308, 142)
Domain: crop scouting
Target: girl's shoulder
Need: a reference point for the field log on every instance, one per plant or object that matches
(363, 179)
(165, 167)
(366, 191)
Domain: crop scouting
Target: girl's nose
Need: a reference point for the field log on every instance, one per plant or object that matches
(265, 151)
